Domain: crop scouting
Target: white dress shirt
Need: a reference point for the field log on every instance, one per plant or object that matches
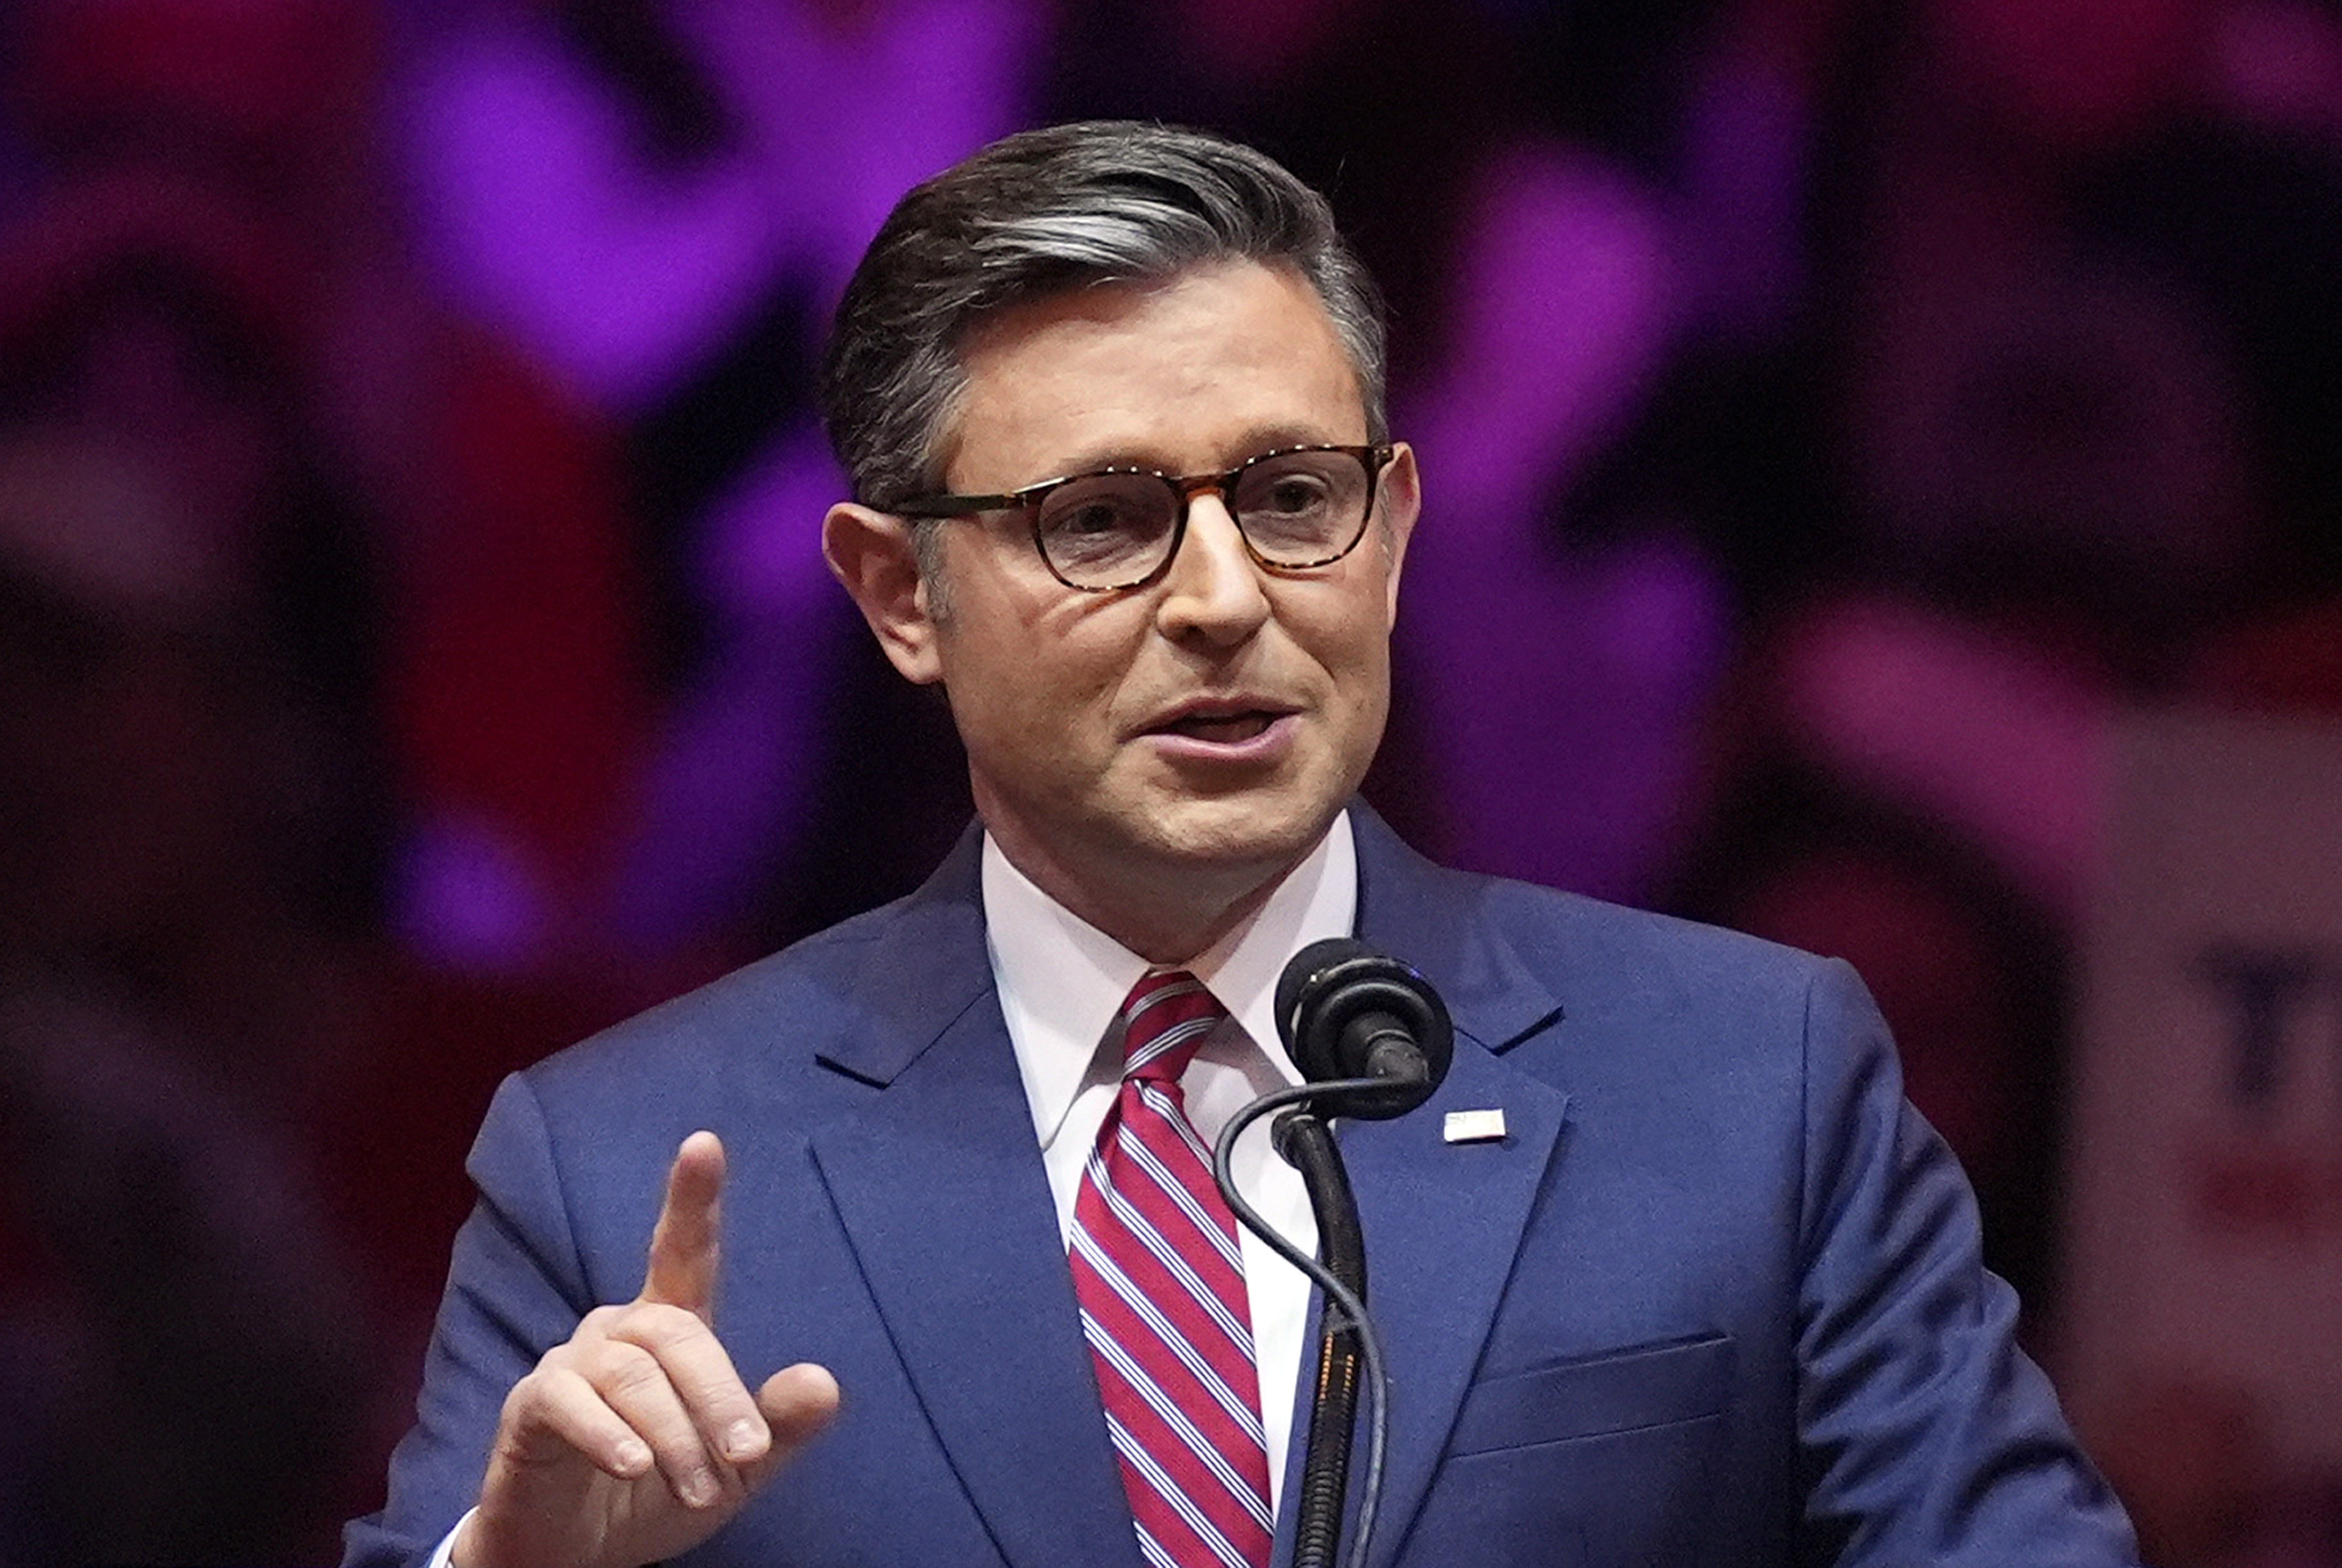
(1061, 983)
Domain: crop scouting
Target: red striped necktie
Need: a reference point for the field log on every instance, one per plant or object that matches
(1162, 1292)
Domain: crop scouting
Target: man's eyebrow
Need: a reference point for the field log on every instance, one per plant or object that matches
(1277, 437)
(1253, 442)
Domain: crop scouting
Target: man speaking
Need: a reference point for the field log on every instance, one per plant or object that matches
(1693, 1287)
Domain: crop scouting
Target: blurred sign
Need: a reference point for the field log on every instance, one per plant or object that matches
(2204, 1236)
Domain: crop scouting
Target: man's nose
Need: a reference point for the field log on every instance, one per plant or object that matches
(1213, 588)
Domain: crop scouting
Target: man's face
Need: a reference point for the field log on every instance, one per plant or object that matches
(1190, 740)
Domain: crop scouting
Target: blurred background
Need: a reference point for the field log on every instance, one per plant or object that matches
(1836, 416)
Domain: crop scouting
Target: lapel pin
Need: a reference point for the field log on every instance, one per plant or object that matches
(1474, 1126)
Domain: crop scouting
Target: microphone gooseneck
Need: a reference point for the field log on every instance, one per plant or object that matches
(1306, 1143)
(1347, 1343)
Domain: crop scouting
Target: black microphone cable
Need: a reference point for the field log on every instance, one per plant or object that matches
(1339, 1295)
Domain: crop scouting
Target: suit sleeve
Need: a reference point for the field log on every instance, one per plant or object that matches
(1926, 1436)
(515, 1290)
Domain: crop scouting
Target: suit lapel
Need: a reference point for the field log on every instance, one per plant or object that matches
(1443, 1221)
(940, 1190)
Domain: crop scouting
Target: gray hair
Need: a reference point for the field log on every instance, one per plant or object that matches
(1032, 216)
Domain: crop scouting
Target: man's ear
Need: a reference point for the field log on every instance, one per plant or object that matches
(1402, 503)
(872, 554)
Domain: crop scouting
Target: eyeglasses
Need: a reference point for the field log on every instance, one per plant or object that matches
(1118, 528)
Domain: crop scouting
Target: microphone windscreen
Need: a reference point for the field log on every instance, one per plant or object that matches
(1338, 1000)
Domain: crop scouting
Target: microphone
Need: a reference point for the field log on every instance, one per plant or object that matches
(1348, 1012)
(1372, 1040)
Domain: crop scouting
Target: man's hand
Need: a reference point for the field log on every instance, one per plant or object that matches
(637, 1440)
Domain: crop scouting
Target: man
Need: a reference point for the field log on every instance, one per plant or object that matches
(1712, 1295)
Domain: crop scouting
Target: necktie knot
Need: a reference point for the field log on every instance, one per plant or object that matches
(1164, 1019)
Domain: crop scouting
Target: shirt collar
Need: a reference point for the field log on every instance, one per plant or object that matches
(1061, 979)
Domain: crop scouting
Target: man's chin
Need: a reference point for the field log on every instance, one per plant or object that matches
(1235, 837)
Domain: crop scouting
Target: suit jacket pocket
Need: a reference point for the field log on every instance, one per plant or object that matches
(1616, 1391)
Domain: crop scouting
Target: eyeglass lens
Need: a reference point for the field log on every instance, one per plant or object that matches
(1296, 509)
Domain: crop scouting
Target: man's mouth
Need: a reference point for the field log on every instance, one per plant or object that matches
(1223, 729)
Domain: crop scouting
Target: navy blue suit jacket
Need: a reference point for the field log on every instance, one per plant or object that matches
(1713, 1298)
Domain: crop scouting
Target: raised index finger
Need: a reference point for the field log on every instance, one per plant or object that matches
(683, 1245)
